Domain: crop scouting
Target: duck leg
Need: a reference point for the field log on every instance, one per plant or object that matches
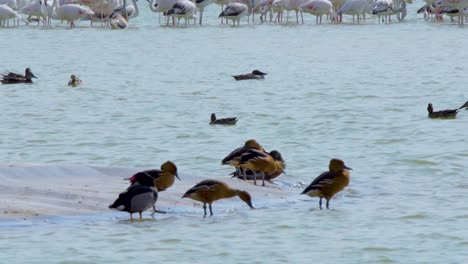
(204, 208)
(157, 211)
(328, 201)
(211, 210)
(131, 217)
(263, 178)
(255, 177)
(141, 217)
(320, 203)
(245, 174)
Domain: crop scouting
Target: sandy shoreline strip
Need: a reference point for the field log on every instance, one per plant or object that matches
(41, 190)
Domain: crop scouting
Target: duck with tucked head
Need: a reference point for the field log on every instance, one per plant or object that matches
(259, 162)
(74, 81)
(136, 199)
(209, 191)
(280, 167)
(254, 75)
(330, 182)
(449, 113)
(12, 78)
(233, 158)
(222, 121)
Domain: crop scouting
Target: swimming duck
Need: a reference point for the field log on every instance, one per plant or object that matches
(254, 75)
(449, 113)
(280, 166)
(233, 158)
(222, 121)
(259, 162)
(12, 78)
(136, 199)
(209, 191)
(74, 81)
(330, 182)
(160, 179)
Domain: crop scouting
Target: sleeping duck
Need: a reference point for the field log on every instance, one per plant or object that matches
(449, 113)
(222, 121)
(12, 78)
(254, 75)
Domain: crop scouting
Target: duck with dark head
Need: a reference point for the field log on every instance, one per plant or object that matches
(449, 113)
(222, 121)
(13, 78)
(254, 75)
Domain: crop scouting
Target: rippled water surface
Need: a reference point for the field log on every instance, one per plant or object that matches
(356, 92)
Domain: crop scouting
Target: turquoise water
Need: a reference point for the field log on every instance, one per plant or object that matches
(355, 92)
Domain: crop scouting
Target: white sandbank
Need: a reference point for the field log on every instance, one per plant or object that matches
(41, 190)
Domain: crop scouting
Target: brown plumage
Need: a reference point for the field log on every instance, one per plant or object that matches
(12, 78)
(330, 182)
(209, 191)
(74, 81)
(449, 113)
(222, 121)
(259, 162)
(234, 158)
(280, 167)
(160, 179)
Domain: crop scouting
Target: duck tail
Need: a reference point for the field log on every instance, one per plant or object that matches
(221, 15)
(465, 105)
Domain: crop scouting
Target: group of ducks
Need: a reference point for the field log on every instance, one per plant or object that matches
(14, 78)
(249, 160)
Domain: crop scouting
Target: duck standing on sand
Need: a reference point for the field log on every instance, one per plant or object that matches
(209, 191)
(159, 179)
(330, 182)
(259, 162)
(12, 78)
(136, 199)
(280, 166)
(449, 113)
(74, 81)
(222, 121)
(233, 158)
(254, 75)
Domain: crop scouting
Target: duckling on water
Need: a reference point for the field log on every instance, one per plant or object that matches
(74, 81)
(449, 113)
(209, 191)
(222, 121)
(12, 78)
(330, 182)
(254, 75)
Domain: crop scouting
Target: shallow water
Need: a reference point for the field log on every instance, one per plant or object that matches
(356, 92)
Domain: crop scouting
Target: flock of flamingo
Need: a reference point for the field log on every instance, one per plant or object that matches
(116, 13)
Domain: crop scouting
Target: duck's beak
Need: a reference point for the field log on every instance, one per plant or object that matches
(177, 176)
(33, 76)
(346, 167)
(251, 205)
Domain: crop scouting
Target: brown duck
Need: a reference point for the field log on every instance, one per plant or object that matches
(209, 191)
(12, 78)
(330, 182)
(222, 121)
(280, 167)
(74, 81)
(449, 113)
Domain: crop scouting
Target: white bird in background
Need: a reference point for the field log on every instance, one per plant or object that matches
(201, 4)
(318, 8)
(11, 3)
(234, 12)
(457, 4)
(33, 9)
(161, 6)
(71, 12)
(7, 13)
(117, 21)
(132, 10)
(337, 4)
(47, 10)
(293, 5)
(353, 7)
(383, 8)
(266, 7)
(182, 9)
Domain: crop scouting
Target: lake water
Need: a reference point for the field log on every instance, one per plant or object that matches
(355, 92)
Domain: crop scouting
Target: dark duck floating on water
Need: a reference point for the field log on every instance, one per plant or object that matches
(254, 75)
(136, 199)
(12, 78)
(222, 121)
(449, 113)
